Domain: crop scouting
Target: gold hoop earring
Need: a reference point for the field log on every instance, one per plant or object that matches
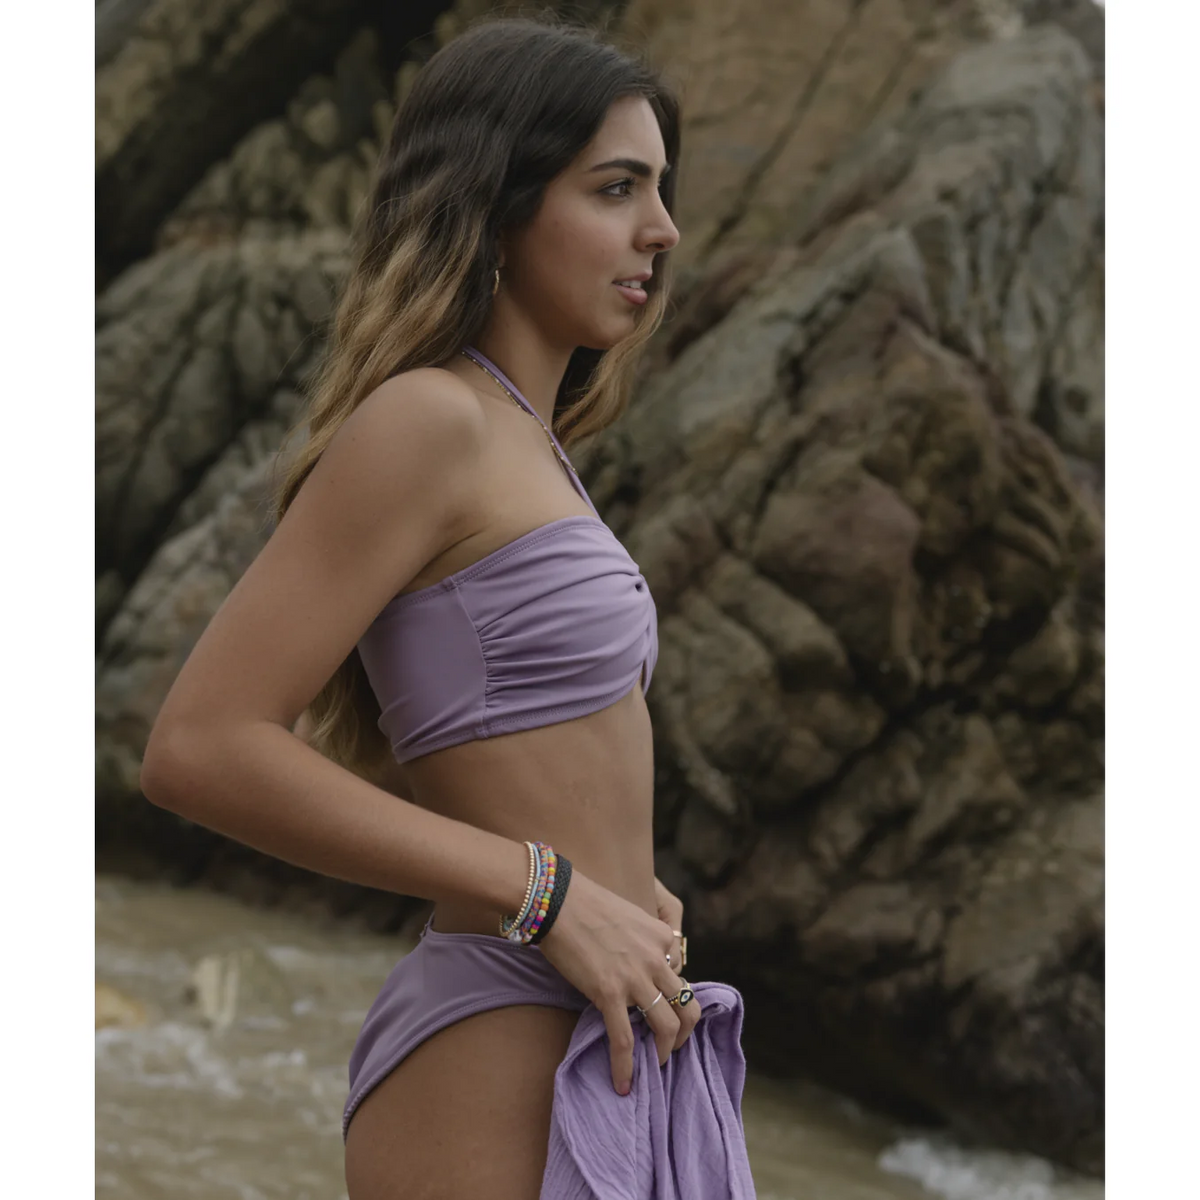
(496, 285)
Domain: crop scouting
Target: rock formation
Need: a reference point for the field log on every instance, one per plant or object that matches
(863, 474)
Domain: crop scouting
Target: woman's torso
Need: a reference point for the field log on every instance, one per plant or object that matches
(585, 785)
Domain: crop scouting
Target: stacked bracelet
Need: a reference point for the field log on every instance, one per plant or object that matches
(508, 925)
(534, 863)
(549, 874)
(556, 899)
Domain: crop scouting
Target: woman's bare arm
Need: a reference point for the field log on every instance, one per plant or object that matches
(386, 774)
(395, 487)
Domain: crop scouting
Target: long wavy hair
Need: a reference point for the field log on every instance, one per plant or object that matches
(489, 121)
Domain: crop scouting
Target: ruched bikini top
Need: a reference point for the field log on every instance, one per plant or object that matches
(557, 623)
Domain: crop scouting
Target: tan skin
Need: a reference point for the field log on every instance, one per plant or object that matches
(434, 470)
(398, 779)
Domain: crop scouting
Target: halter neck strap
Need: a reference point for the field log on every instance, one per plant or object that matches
(482, 360)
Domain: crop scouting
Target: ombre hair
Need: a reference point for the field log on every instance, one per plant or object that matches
(489, 121)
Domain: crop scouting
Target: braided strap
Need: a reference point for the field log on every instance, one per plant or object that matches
(556, 899)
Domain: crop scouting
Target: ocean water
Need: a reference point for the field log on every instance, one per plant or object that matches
(223, 1034)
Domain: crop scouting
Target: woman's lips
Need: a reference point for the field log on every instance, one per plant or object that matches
(633, 295)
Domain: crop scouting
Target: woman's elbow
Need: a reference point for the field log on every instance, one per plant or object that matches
(165, 768)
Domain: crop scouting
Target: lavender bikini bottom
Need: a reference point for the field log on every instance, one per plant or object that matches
(678, 1135)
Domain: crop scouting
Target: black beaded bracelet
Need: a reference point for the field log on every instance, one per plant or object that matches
(562, 877)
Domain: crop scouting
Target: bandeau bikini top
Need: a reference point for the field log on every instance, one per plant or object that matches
(557, 623)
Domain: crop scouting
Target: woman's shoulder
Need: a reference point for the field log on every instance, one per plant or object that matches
(430, 399)
(413, 444)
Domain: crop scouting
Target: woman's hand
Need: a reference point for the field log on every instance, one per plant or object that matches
(615, 953)
(670, 910)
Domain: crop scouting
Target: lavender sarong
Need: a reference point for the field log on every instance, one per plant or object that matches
(677, 1136)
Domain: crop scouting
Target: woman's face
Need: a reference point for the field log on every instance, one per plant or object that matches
(597, 224)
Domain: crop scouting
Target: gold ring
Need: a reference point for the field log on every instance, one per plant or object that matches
(683, 997)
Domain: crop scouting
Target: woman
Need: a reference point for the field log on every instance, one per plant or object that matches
(440, 591)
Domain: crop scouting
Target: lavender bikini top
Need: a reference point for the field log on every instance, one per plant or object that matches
(557, 623)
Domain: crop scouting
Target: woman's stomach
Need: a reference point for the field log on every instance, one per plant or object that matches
(584, 786)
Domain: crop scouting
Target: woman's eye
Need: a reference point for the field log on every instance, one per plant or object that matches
(621, 183)
(626, 183)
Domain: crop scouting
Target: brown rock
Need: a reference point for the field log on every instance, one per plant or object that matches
(191, 344)
(865, 450)
(114, 1008)
(308, 169)
(178, 83)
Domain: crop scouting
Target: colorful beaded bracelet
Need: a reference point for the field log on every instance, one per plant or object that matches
(543, 868)
(537, 913)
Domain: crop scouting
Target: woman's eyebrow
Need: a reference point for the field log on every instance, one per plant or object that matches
(629, 164)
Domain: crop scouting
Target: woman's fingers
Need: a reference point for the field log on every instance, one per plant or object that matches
(617, 955)
(677, 953)
(685, 1017)
(689, 1015)
(669, 906)
(620, 1044)
(665, 1024)
(671, 1026)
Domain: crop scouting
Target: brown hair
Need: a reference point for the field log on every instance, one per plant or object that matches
(490, 120)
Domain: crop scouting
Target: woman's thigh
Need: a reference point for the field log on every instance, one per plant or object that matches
(467, 1113)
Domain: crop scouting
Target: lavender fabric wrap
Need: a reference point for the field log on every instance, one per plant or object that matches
(678, 1135)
